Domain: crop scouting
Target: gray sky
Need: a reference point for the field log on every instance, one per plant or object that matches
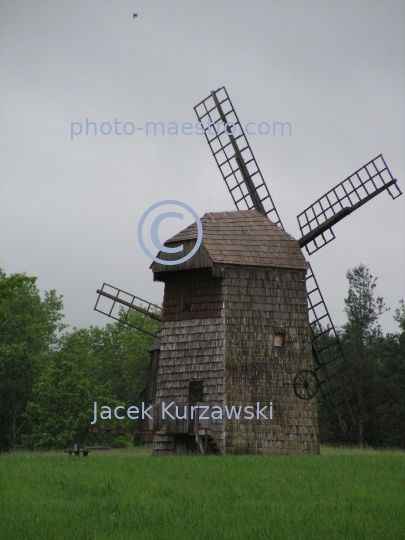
(69, 209)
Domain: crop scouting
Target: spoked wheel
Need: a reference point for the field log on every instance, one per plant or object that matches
(305, 384)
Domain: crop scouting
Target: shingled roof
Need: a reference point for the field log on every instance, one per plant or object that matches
(243, 238)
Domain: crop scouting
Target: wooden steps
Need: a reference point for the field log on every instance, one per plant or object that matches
(207, 443)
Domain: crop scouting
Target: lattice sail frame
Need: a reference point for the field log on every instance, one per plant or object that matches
(118, 299)
(315, 222)
(243, 178)
(233, 155)
(335, 379)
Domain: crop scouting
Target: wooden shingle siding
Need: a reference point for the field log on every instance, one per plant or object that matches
(206, 295)
(191, 349)
(256, 371)
(200, 259)
(245, 238)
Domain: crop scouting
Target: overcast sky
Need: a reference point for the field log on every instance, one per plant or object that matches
(69, 209)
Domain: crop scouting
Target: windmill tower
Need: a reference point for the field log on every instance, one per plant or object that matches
(244, 319)
(234, 334)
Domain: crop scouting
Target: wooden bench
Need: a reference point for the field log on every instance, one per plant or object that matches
(76, 451)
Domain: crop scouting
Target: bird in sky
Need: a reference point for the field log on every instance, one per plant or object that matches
(135, 15)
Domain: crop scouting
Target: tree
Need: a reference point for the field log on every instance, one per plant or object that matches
(49, 382)
(391, 410)
(61, 409)
(399, 316)
(362, 308)
(360, 334)
(116, 354)
(107, 365)
(28, 332)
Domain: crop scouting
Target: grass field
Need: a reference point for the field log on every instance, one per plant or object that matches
(127, 494)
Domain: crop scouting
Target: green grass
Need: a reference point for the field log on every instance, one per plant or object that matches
(127, 494)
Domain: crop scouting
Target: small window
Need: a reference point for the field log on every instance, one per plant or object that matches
(196, 392)
(278, 340)
(187, 298)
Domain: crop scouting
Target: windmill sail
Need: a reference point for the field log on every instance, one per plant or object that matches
(119, 305)
(334, 377)
(245, 182)
(316, 221)
(233, 155)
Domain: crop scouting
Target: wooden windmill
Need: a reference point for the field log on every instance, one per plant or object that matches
(244, 319)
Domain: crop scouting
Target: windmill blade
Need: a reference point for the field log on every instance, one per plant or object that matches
(245, 182)
(111, 300)
(335, 379)
(233, 155)
(315, 222)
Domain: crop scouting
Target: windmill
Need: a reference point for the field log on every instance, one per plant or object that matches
(330, 374)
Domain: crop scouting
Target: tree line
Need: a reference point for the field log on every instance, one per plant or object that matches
(50, 377)
(377, 363)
